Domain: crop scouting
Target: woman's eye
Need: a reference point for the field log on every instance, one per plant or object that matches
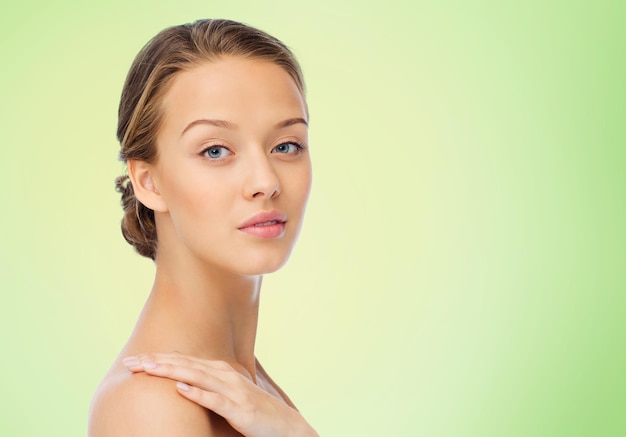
(216, 152)
(287, 148)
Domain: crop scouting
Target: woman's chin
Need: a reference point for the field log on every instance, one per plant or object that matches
(261, 268)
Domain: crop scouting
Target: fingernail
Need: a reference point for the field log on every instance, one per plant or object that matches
(149, 365)
(182, 386)
(130, 361)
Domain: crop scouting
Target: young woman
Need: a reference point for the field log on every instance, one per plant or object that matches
(213, 128)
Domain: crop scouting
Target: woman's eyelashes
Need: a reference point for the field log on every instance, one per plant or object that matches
(289, 147)
(216, 152)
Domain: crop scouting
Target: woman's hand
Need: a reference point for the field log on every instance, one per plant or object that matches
(217, 386)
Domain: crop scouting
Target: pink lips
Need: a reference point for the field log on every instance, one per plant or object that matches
(265, 225)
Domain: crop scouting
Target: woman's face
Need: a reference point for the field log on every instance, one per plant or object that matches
(233, 168)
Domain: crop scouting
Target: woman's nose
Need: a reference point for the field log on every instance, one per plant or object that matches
(261, 179)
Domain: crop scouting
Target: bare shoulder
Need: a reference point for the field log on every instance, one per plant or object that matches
(140, 405)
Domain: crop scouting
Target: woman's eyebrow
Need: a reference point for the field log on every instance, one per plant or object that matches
(291, 122)
(218, 123)
(228, 125)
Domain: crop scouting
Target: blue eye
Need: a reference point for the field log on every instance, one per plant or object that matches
(290, 147)
(216, 152)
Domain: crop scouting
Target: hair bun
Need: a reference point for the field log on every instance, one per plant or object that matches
(138, 227)
(125, 188)
(121, 183)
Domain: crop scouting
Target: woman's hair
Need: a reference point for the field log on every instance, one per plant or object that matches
(176, 49)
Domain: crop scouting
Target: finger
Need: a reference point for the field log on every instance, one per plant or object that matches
(205, 378)
(212, 375)
(177, 359)
(183, 367)
(138, 363)
(215, 402)
(250, 415)
(133, 364)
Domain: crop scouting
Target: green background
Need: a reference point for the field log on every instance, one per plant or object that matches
(461, 271)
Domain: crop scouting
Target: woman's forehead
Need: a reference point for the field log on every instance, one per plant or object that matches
(233, 84)
(231, 93)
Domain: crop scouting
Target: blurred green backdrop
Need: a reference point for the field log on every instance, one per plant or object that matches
(462, 268)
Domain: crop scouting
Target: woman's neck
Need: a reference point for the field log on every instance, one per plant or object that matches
(203, 312)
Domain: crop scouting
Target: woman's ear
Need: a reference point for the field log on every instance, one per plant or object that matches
(140, 174)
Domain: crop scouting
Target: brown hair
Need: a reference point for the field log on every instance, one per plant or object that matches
(176, 49)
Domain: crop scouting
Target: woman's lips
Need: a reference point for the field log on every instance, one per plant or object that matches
(265, 224)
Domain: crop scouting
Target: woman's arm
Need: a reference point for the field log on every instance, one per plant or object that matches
(216, 386)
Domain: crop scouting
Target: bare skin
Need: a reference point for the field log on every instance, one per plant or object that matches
(210, 179)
